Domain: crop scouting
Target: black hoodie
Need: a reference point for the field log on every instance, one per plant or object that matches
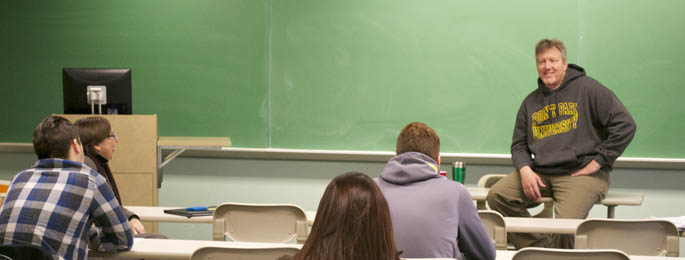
(559, 131)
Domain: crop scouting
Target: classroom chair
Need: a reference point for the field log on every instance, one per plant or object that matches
(273, 223)
(494, 224)
(4, 186)
(636, 237)
(214, 253)
(490, 179)
(538, 253)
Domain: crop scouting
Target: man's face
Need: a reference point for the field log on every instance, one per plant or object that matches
(551, 67)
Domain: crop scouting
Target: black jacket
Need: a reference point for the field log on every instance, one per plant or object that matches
(562, 130)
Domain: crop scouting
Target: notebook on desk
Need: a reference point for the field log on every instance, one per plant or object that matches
(192, 211)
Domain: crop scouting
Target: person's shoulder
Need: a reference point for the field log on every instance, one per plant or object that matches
(88, 161)
(94, 178)
(586, 81)
(593, 88)
(450, 185)
(456, 189)
(85, 177)
(461, 189)
(534, 93)
(25, 173)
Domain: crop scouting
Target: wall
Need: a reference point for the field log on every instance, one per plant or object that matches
(344, 74)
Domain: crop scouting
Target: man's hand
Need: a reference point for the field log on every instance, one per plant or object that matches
(531, 183)
(590, 168)
(136, 226)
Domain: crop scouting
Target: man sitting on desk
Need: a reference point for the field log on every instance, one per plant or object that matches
(575, 128)
(432, 217)
(55, 203)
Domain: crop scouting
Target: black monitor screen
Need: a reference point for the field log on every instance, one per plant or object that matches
(117, 83)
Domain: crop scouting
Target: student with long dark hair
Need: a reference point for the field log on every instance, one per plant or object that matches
(352, 222)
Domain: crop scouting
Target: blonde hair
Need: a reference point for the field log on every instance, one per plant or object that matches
(546, 44)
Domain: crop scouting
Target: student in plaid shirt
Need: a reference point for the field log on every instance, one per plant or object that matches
(55, 203)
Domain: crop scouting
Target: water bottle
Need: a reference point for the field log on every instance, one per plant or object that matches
(459, 172)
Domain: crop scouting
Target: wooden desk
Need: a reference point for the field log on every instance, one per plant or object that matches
(612, 199)
(193, 142)
(182, 143)
(176, 249)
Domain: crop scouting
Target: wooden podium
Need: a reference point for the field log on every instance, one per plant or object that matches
(134, 163)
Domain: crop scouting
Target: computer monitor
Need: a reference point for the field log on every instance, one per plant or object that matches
(110, 91)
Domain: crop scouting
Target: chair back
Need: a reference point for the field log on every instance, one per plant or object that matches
(23, 252)
(636, 237)
(495, 226)
(489, 179)
(216, 253)
(4, 186)
(486, 181)
(538, 253)
(272, 223)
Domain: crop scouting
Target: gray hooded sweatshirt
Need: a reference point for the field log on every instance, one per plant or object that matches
(432, 216)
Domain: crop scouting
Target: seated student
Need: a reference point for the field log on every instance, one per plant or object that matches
(55, 203)
(99, 141)
(352, 223)
(433, 217)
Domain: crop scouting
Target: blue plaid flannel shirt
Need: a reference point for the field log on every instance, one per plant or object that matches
(54, 205)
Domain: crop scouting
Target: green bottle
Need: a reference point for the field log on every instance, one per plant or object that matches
(459, 172)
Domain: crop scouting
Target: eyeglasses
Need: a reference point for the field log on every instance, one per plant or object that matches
(113, 136)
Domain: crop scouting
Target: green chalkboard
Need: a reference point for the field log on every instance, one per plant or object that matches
(329, 74)
(636, 49)
(199, 65)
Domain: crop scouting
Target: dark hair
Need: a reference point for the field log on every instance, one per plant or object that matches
(418, 137)
(52, 137)
(546, 44)
(352, 222)
(92, 130)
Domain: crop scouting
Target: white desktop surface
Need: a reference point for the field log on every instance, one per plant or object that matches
(612, 198)
(183, 249)
(507, 255)
(156, 214)
(541, 225)
(523, 225)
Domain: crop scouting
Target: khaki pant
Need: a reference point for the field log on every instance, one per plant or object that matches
(573, 196)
